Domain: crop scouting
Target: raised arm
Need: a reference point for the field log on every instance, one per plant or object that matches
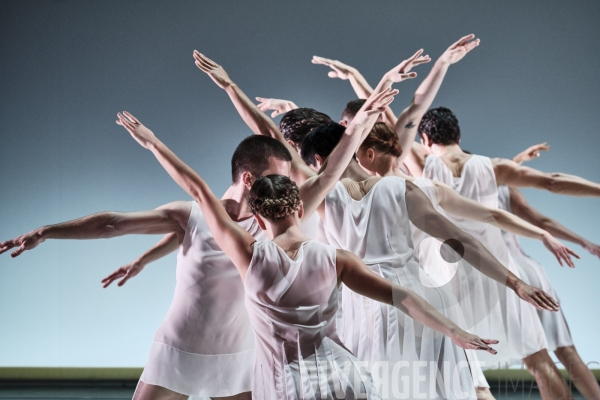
(314, 190)
(409, 119)
(524, 210)
(510, 173)
(278, 106)
(165, 219)
(168, 244)
(256, 120)
(461, 206)
(422, 214)
(345, 72)
(363, 89)
(357, 276)
(233, 239)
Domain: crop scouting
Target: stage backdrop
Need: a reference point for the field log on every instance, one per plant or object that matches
(67, 68)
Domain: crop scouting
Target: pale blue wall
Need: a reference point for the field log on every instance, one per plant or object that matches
(67, 67)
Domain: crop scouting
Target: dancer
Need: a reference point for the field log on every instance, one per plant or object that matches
(555, 324)
(297, 347)
(349, 233)
(205, 345)
(379, 153)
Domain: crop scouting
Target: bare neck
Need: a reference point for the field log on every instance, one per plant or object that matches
(355, 172)
(446, 150)
(235, 201)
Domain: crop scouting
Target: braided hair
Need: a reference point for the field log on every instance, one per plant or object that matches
(274, 197)
(383, 139)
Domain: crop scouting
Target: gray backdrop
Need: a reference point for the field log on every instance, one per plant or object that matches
(67, 67)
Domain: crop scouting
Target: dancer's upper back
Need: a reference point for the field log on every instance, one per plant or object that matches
(374, 227)
(477, 179)
(292, 302)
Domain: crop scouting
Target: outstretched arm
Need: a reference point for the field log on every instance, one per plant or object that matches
(167, 245)
(408, 121)
(357, 276)
(233, 239)
(256, 120)
(531, 153)
(510, 173)
(345, 72)
(314, 190)
(422, 214)
(523, 209)
(165, 219)
(464, 207)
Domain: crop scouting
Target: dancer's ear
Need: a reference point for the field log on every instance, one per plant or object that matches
(319, 161)
(261, 222)
(344, 122)
(371, 154)
(248, 179)
(301, 210)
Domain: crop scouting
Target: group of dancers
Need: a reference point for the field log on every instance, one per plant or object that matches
(346, 260)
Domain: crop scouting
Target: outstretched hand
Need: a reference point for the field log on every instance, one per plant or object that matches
(212, 69)
(28, 241)
(401, 71)
(126, 272)
(594, 249)
(340, 70)
(531, 153)
(278, 106)
(560, 251)
(140, 133)
(374, 106)
(458, 50)
(536, 297)
(469, 341)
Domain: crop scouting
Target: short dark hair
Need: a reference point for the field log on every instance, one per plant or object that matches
(352, 108)
(321, 141)
(441, 126)
(274, 197)
(253, 154)
(297, 123)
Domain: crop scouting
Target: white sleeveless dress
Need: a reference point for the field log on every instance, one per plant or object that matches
(401, 353)
(292, 305)
(492, 310)
(554, 323)
(205, 345)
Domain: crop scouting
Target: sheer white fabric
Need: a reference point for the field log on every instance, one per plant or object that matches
(292, 305)
(377, 230)
(554, 323)
(492, 310)
(205, 345)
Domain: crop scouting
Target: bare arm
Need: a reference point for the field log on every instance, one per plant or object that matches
(510, 173)
(363, 89)
(524, 210)
(422, 214)
(165, 219)
(233, 239)
(531, 153)
(167, 245)
(357, 276)
(277, 105)
(314, 190)
(408, 121)
(256, 120)
(461, 206)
